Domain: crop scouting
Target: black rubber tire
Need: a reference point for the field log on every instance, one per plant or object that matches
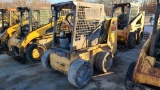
(1, 50)
(139, 38)
(45, 60)
(4, 30)
(103, 61)
(5, 44)
(131, 40)
(80, 73)
(19, 59)
(129, 73)
(29, 51)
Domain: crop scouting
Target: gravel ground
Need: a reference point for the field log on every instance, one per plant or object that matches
(15, 76)
(31, 76)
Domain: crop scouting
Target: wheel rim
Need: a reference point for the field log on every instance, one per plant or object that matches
(108, 62)
(83, 74)
(37, 53)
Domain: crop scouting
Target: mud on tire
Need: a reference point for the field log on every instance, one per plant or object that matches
(80, 73)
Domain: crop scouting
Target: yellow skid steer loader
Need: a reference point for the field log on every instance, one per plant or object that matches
(33, 39)
(144, 74)
(8, 17)
(83, 40)
(130, 23)
(10, 23)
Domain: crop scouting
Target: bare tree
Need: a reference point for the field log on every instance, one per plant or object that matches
(28, 3)
(147, 5)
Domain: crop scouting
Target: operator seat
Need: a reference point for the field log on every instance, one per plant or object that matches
(122, 21)
(63, 41)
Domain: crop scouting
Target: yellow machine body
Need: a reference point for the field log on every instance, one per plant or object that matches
(130, 23)
(132, 27)
(145, 71)
(144, 74)
(33, 37)
(9, 32)
(38, 35)
(62, 63)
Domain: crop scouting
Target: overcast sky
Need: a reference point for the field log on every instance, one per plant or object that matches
(56, 1)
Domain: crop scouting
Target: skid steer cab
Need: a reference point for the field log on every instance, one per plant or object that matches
(130, 23)
(144, 74)
(8, 17)
(31, 40)
(3, 20)
(10, 23)
(83, 40)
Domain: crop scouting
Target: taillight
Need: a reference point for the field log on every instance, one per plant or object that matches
(65, 26)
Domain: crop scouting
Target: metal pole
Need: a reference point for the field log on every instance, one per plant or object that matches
(30, 20)
(2, 20)
(21, 15)
(55, 14)
(10, 18)
(45, 1)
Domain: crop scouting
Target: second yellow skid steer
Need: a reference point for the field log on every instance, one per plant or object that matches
(8, 17)
(33, 39)
(130, 23)
(10, 23)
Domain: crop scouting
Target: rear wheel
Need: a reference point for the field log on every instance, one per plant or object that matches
(15, 55)
(131, 40)
(5, 44)
(103, 61)
(45, 60)
(1, 49)
(139, 38)
(18, 58)
(80, 73)
(34, 52)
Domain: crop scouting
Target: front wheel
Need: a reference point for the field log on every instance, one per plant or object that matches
(80, 73)
(34, 52)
